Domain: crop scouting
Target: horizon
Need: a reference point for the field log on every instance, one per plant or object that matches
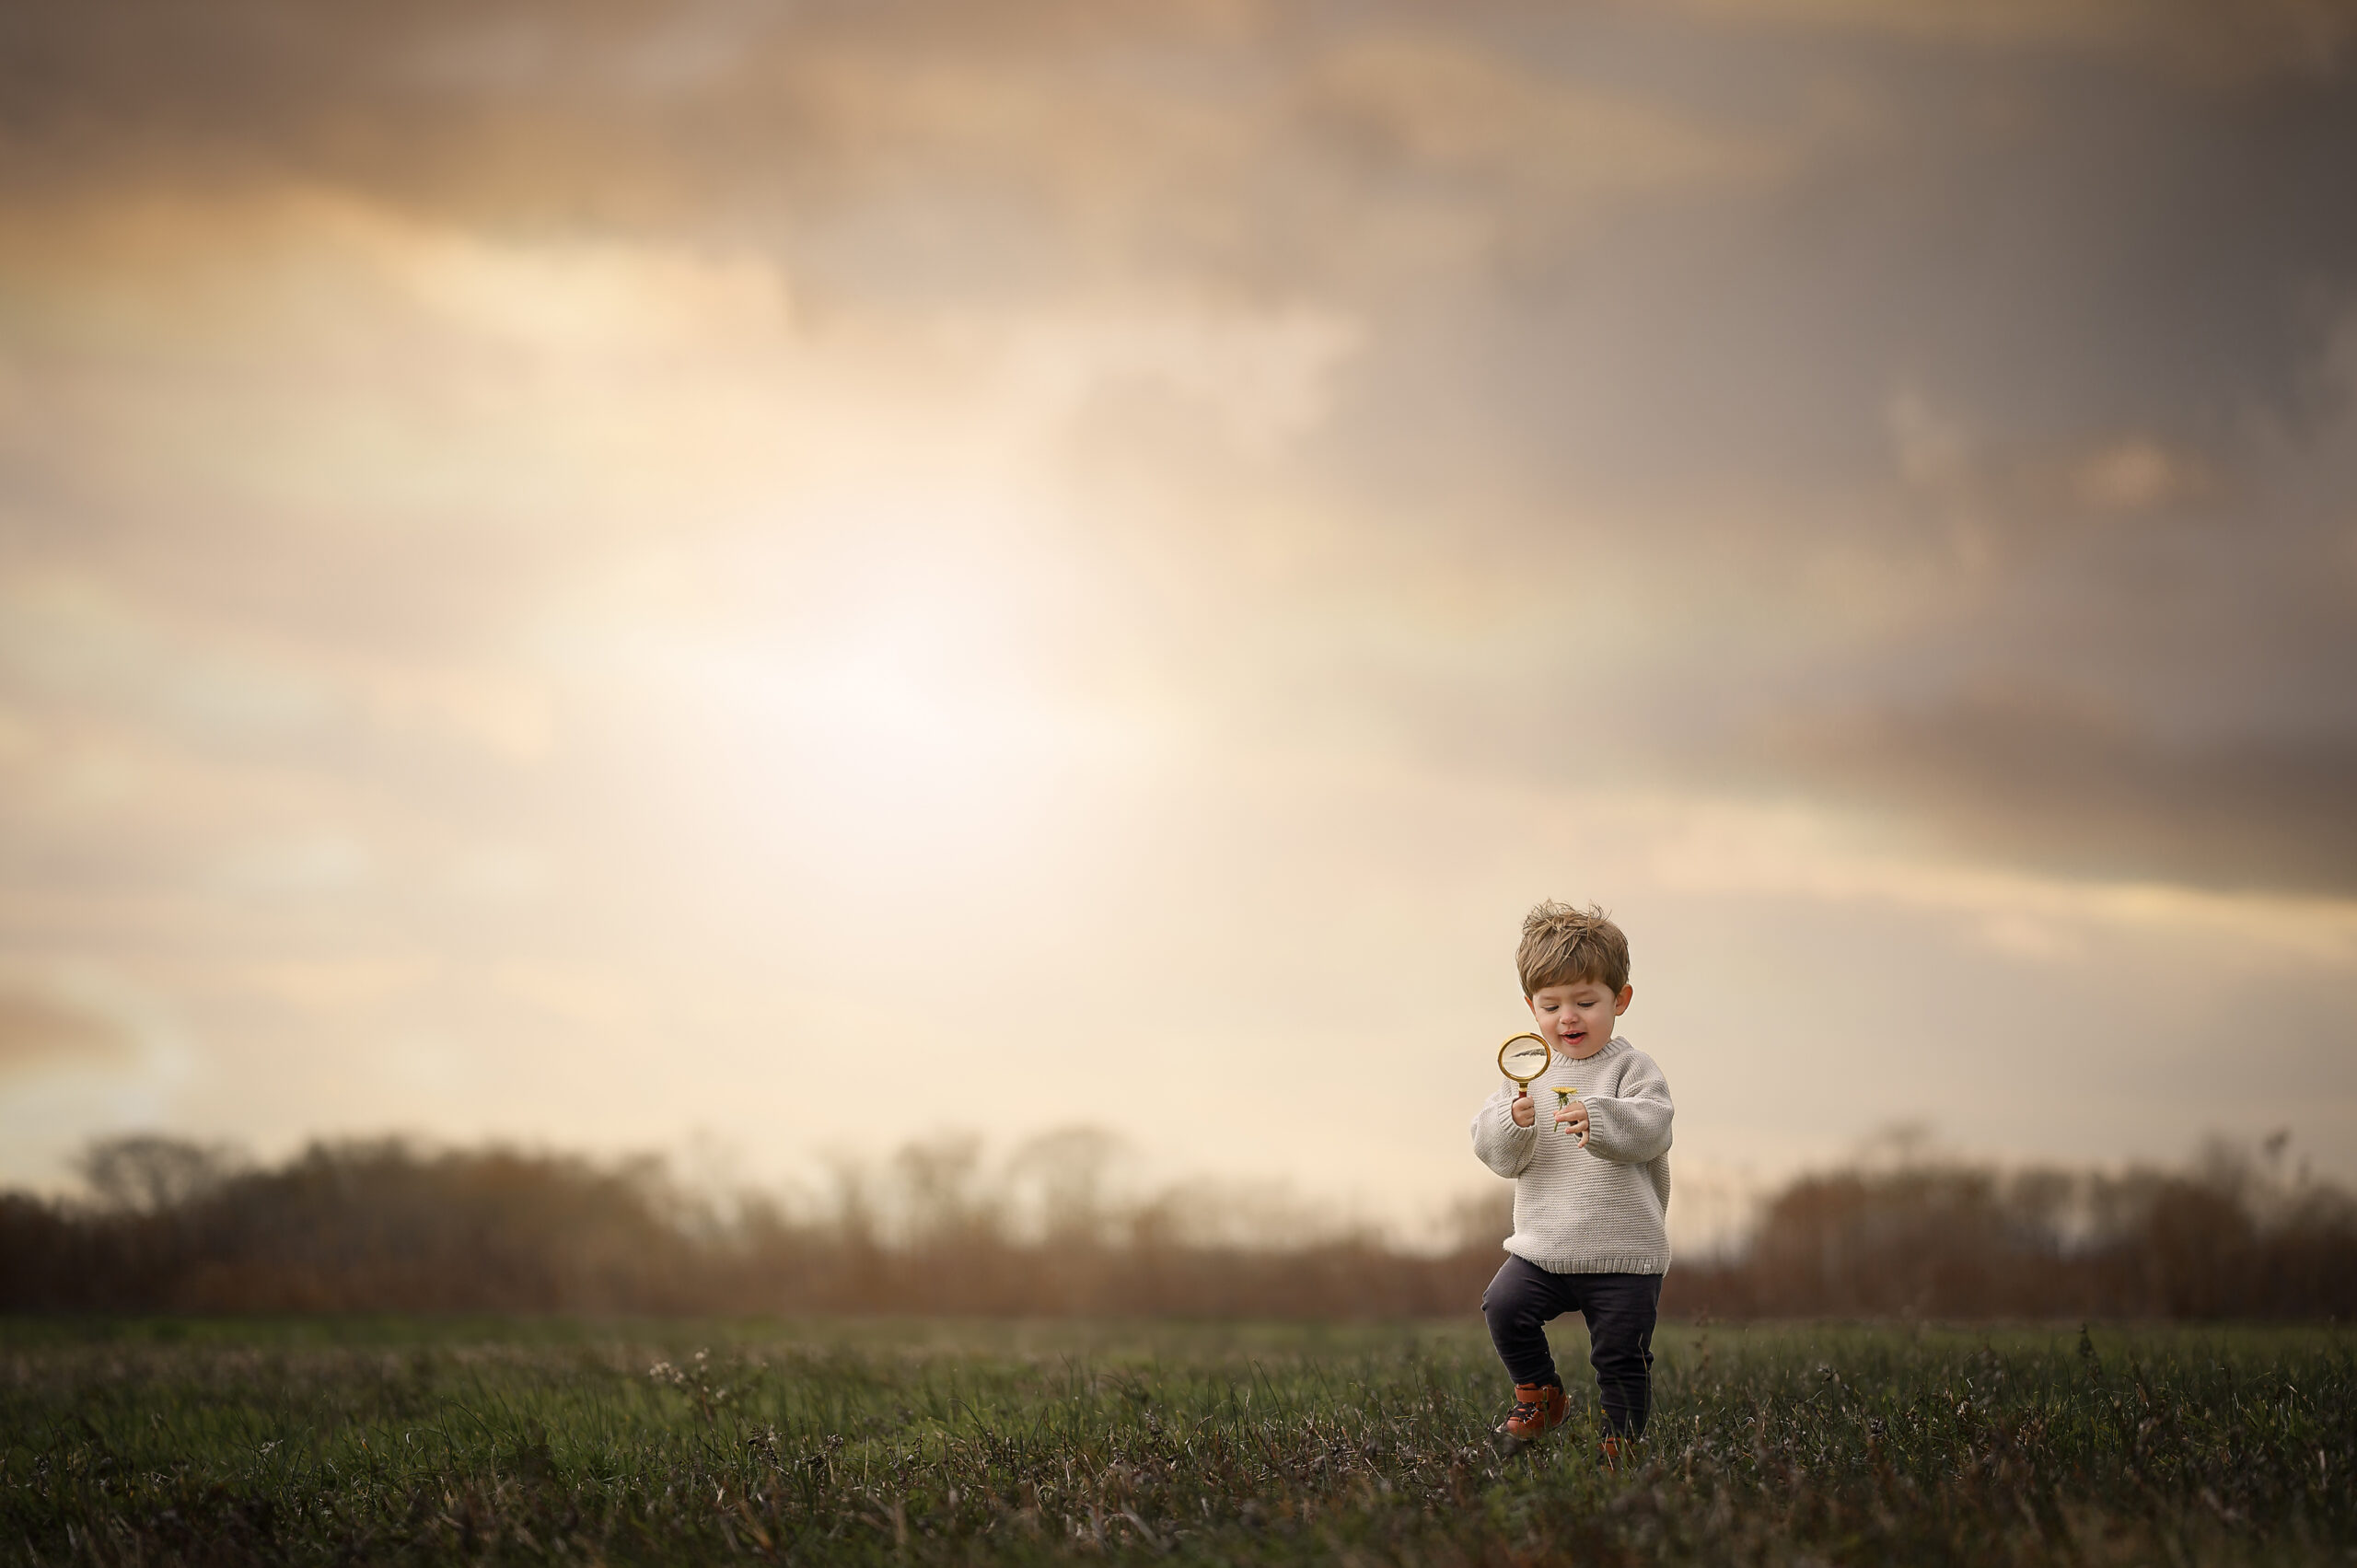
(1095, 1174)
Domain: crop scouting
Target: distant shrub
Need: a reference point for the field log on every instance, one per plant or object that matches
(1947, 1240)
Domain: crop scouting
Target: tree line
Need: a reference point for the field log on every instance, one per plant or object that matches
(388, 1225)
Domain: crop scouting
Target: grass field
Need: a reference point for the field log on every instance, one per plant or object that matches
(360, 1440)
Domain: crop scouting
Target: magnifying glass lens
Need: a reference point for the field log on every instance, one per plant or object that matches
(1524, 1058)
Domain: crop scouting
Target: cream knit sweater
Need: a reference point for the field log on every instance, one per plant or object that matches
(1599, 1210)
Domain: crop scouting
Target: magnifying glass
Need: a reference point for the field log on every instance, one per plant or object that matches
(1523, 1058)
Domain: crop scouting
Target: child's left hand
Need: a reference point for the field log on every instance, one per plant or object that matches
(1573, 1119)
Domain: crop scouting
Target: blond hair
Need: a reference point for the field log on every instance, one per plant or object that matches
(1562, 945)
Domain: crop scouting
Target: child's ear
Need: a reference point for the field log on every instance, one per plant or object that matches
(1620, 1003)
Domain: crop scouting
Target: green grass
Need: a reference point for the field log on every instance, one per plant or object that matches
(378, 1440)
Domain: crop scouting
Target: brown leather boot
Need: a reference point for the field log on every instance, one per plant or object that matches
(1538, 1409)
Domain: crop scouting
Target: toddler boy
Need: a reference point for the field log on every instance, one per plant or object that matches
(1591, 1184)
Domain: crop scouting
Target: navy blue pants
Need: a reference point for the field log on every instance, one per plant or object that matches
(1619, 1311)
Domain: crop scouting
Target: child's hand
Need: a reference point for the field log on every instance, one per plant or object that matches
(1573, 1119)
(1524, 1112)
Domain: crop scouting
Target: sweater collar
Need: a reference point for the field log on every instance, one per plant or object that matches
(1616, 1044)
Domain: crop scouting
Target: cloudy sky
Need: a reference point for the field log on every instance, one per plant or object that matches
(805, 576)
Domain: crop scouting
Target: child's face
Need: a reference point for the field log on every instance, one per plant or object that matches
(1578, 1018)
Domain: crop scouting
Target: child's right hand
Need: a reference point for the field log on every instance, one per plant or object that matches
(1524, 1112)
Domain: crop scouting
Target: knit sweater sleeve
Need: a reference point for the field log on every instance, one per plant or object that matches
(1497, 1142)
(1632, 1125)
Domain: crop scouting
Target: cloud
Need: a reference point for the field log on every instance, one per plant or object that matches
(2029, 776)
(1433, 105)
(73, 644)
(1262, 378)
(2230, 44)
(41, 1027)
(933, 151)
(2136, 474)
(1933, 449)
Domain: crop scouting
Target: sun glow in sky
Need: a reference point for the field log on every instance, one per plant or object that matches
(565, 574)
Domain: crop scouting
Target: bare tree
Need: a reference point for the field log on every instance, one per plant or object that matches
(1069, 1164)
(146, 1173)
